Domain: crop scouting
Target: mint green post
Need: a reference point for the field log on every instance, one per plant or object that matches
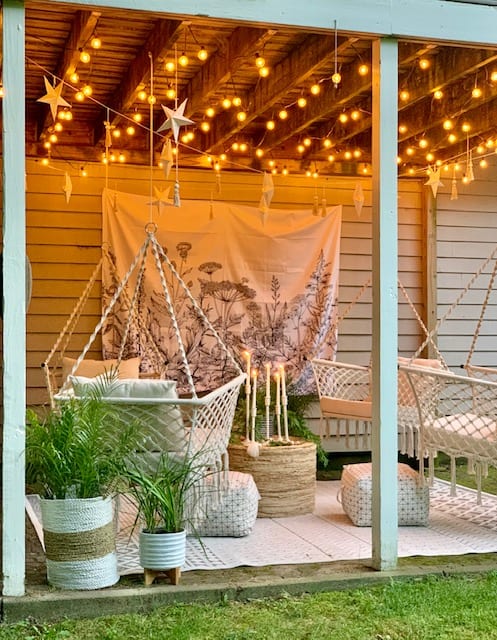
(384, 439)
(14, 299)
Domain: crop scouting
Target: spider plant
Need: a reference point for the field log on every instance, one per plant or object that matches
(164, 495)
(76, 450)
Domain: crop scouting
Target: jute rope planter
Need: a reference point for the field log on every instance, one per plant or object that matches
(284, 475)
(79, 543)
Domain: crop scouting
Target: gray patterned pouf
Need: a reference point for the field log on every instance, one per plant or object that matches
(356, 491)
(235, 513)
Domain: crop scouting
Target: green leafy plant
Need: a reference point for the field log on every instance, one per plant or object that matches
(297, 423)
(164, 494)
(77, 449)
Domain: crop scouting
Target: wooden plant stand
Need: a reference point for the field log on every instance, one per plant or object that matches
(173, 574)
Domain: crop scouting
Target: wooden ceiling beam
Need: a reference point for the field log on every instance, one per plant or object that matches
(288, 74)
(159, 42)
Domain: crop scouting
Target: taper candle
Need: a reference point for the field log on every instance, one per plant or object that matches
(284, 401)
(248, 382)
(254, 402)
(278, 405)
(268, 396)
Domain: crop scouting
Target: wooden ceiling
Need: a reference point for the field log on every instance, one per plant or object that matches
(136, 46)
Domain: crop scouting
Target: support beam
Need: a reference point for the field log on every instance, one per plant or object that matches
(385, 305)
(14, 300)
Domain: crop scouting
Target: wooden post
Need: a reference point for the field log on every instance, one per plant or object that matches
(385, 305)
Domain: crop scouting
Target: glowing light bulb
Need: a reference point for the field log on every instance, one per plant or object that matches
(137, 117)
(357, 153)
(68, 113)
(47, 144)
(264, 72)
(202, 54)
(271, 163)
(74, 77)
(336, 78)
(307, 142)
(53, 138)
(84, 56)
(343, 117)
(237, 101)
(130, 130)
(300, 148)
(151, 99)
(410, 151)
(301, 102)
(283, 114)
(476, 93)
(430, 157)
(80, 96)
(493, 76)
(122, 157)
(87, 90)
(327, 144)
(284, 171)
(58, 127)
(259, 152)
(452, 138)
(169, 66)
(489, 143)
(411, 171)
(308, 173)
(222, 157)
(205, 126)
(438, 94)
(116, 133)
(235, 146)
(404, 95)
(210, 112)
(142, 95)
(331, 158)
(241, 116)
(183, 60)
(83, 172)
(226, 103)
(480, 149)
(270, 125)
(423, 143)
(95, 42)
(170, 93)
(45, 162)
(259, 61)
(315, 89)
(355, 115)
(363, 69)
(483, 163)
(424, 63)
(243, 147)
(448, 124)
(466, 127)
(402, 128)
(399, 160)
(348, 155)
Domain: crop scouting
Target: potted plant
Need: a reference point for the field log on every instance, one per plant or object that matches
(74, 456)
(165, 499)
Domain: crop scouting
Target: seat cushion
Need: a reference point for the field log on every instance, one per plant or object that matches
(336, 407)
(91, 368)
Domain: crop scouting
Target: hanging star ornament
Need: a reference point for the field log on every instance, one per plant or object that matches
(166, 157)
(434, 180)
(161, 198)
(358, 198)
(175, 119)
(267, 193)
(67, 187)
(53, 97)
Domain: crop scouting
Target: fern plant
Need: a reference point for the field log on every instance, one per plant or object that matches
(77, 449)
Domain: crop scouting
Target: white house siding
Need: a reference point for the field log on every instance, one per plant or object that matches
(466, 236)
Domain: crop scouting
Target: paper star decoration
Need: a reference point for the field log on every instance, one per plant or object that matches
(53, 97)
(67, 188)
(434, 180)
(267, 193)
(358, 198)
(161, 198)
(166, 157)
(175, 119)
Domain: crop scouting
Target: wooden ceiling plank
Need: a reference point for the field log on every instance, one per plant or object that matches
(161, 38)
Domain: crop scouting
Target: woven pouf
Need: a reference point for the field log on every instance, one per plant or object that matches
(284, 475)
(235, 513)
(356, 492)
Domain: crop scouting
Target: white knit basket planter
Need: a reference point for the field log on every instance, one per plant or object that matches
(79, 539)
(162, 551)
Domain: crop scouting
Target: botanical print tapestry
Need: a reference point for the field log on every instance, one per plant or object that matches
(268, 285)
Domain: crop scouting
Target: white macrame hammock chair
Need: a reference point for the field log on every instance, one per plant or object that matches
(437, 410)
(193, 424)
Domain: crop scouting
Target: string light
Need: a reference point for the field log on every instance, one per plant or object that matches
(404, 95)
(241, 116)
(130, 130)
(236, 101)
(402, 129)
(355, 115)
(452, 138)
(80, 96)
(264, 72)
(170, 92)
(327, 143)
(331, 158)
(423, 143)
(483, 163)
(74, 77)
(260, 62)
(448, 124)
(438, 94)
(137, 117)
(205, 126)
(477, 92)
(307, 142)
(301, 102)
(466, 127)
(336, 78)
(183, 60)
(95, 42)
(87, 90)
(343, 117)
(170, 66)
(300, 148)
(363, 69)
(84, 56)
(270, 125)
(226, 103)
(283, 114)
(259, 152)
(142, 95)
(58, 127)
(210, 112)
(202, 54)
(315, 89)
(424, 63)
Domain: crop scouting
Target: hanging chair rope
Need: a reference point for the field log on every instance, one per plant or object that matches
(482, 315)
(457, 300)
(199, 309)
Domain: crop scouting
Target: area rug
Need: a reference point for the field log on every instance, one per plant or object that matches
(457, 525)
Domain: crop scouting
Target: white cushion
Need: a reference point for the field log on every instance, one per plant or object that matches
(91, 368)
(161, 422)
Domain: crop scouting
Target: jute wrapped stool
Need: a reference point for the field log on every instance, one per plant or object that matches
(356, 491)
(285, 476)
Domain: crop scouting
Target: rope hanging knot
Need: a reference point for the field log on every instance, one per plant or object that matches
(151, 228)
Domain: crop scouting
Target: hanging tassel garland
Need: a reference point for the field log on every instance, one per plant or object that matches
(176, 198)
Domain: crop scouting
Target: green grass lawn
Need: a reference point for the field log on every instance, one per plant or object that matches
(457, 608)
